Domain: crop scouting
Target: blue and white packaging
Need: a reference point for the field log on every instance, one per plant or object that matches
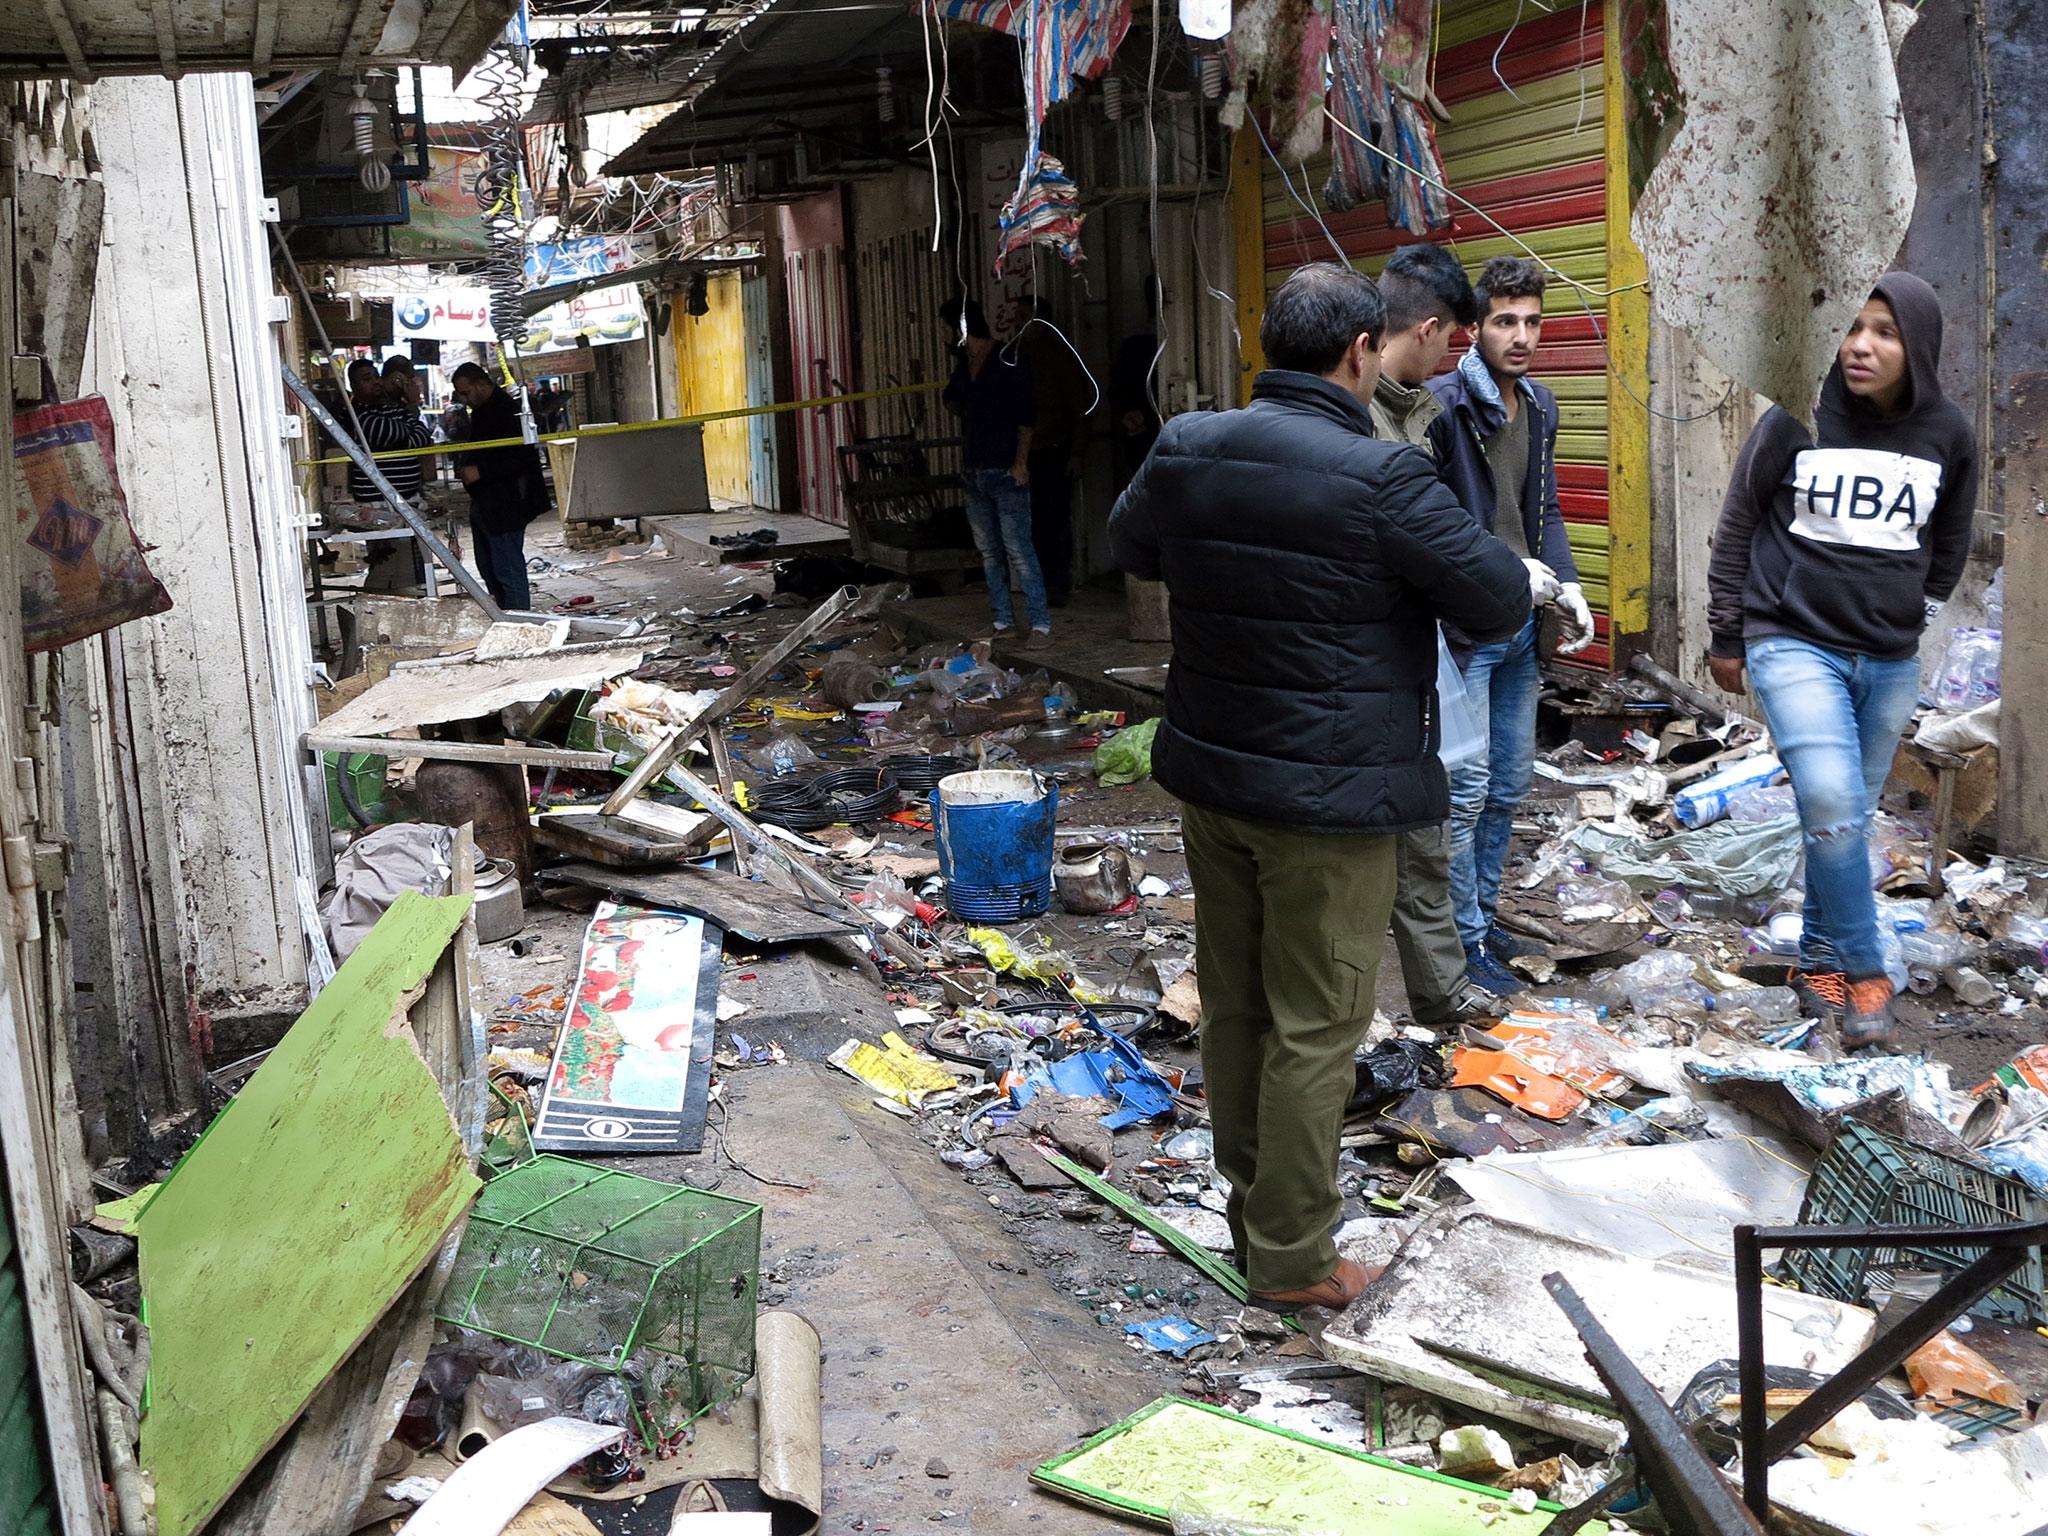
(1706, 801)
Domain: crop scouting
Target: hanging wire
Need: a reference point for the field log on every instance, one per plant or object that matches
(1305, 205)
(498, 192)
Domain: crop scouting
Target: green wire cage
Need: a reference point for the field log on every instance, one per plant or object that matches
(652, 1283)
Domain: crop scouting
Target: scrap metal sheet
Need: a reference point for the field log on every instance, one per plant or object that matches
(462, 690)
(1787, 191)
(1472, 1281)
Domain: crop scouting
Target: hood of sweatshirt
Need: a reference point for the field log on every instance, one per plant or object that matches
(1918, 311)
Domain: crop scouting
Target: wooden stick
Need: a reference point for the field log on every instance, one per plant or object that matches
(670, 747)
(459, 751)
(721, 760)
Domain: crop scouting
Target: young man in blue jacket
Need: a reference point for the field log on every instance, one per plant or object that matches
(1496, 446)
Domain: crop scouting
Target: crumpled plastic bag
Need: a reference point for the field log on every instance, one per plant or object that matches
(374, 869)
(1127, 756)
(1395, 1067)
(1741, 858)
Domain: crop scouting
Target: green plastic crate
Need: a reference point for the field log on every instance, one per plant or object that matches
(1866, 1178)
(652, 1283)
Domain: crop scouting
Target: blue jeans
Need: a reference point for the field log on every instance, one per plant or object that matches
(1836, 721)
(1501, 683)
(501, 559)
(999, 512)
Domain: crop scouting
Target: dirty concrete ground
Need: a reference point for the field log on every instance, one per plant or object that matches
(902, 1262)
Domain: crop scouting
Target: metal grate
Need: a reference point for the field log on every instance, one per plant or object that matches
(652, 1283)
(1868, 1178)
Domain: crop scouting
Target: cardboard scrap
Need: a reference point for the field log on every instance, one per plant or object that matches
(894, 1070)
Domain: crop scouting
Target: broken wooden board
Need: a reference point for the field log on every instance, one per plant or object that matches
(305, 1211)
(615, 840)
(755, 912)
(465, 689)
(1180, 1457)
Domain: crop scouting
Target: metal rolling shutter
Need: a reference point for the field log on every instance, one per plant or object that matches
(26, 1506)
(1527, 144)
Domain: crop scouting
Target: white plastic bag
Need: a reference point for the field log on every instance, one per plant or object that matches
(1460, 741)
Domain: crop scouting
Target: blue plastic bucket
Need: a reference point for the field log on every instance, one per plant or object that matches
(994, 828)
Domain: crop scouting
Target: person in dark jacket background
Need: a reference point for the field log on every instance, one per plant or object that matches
(506, 490)
(1834, 551)
(1496, 442)
(1306, 563)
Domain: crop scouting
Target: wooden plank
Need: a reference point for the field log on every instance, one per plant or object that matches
(291, 1229)
(1248, 242)
(459, 751)
(1628, 389)
(740, 906)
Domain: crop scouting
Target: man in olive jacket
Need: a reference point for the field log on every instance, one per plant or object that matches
(1307, 563)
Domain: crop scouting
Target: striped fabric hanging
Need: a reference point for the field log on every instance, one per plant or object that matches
(1381, 91)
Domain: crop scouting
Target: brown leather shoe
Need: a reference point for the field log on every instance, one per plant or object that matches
(1346, 1283)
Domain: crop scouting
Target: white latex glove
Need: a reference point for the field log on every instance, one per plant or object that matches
(1578, 619)
(1930, 610)
(1543, 585)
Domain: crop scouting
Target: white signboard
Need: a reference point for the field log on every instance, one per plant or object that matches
(596, 318)
(443, 314)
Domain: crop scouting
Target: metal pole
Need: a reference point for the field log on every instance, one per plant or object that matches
(400, 505)
(1749, 1342)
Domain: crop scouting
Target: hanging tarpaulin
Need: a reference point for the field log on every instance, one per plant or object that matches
(1383, 96)
(1046, 210)
(1787, 190)
(1062, 41)
(1278, 50)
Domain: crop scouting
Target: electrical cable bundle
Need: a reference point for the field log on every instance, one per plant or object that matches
(919, 772)
(826, 798)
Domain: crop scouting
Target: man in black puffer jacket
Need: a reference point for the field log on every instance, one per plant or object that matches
(1306, 563)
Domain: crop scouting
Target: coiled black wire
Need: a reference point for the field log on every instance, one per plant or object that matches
(824, 799)
(919, 772)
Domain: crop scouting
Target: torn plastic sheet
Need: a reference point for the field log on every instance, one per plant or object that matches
(1678, 1202)
(1173, 1336)
(1122, 1077)
(1741, 858)
(1825, 1087)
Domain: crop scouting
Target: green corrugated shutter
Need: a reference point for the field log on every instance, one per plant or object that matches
(26, 1504)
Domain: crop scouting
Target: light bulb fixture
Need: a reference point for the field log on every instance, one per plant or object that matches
(371, 171)
(1211, 75)
(885, 95)
(1113, 97)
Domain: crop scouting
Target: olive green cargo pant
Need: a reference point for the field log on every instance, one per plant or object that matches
(1288, 932)
(1425, 927)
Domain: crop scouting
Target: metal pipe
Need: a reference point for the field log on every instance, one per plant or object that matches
(426, 535)
(1955, 1296)
(1676, 688)
(122, 1471)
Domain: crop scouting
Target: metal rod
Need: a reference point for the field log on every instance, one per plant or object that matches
(1749, 1341)
(663, 753)
(400, 505)
(1691, 1493)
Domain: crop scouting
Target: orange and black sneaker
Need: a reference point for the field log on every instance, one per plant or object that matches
(1823, 995)
(1867, 1021)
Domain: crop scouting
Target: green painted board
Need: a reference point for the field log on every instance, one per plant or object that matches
(297, 1221)
(120, 1215)
(1176, 1456)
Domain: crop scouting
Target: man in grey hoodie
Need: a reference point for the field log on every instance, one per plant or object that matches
(1834, 550)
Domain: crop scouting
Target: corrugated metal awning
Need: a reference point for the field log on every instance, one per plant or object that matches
(84, 39)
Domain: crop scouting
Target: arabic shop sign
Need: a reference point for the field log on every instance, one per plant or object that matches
(443, 314)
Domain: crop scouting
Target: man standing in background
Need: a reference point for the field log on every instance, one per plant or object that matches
(1496, 445)
(506, 491)
(1059, 392)
(395, 565)
(1428, 297)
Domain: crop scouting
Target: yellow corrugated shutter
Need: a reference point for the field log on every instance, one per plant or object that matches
(711, 375)
(1527, 144)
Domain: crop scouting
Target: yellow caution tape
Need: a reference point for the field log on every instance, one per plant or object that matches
(614, 430)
